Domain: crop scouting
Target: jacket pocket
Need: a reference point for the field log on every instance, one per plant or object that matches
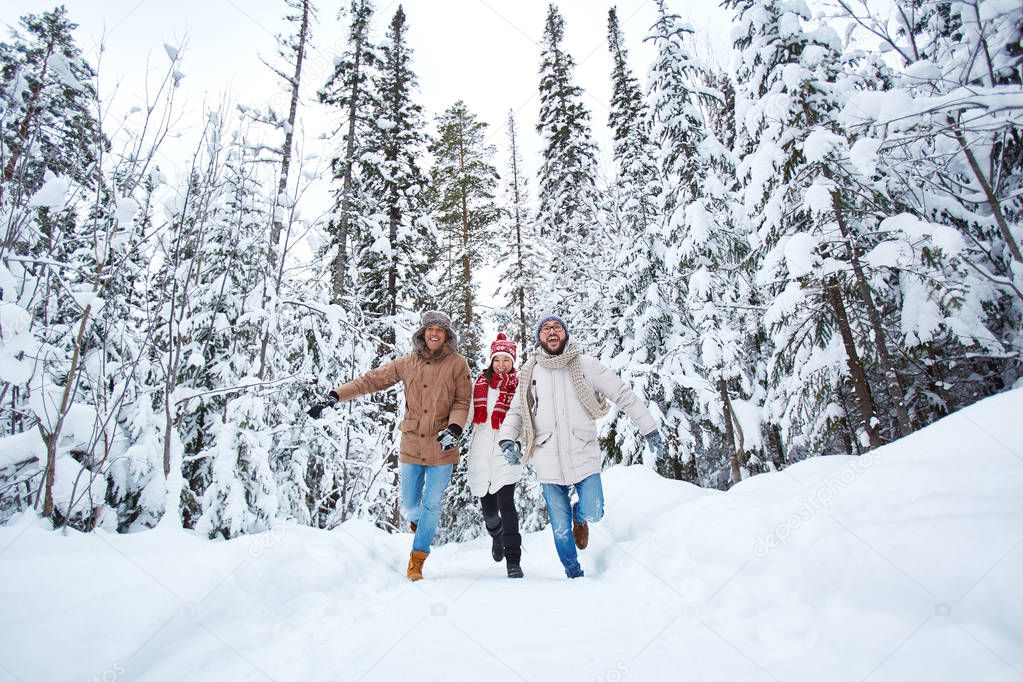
(585, 434)
(409, 424)
(546, 462)
(585, 450)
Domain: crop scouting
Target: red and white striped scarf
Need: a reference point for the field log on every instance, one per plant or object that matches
(505, 385)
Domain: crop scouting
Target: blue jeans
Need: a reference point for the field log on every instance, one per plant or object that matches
(588, 509)
(422, 489)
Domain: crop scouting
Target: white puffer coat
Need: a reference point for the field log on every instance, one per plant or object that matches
(489, 471)
(566, 449)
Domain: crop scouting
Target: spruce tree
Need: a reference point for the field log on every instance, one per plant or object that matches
(812, 313)
(392, 248)
(634, 335)
(351, 91)
(569, 203)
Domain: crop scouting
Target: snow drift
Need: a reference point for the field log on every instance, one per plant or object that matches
(898, 565)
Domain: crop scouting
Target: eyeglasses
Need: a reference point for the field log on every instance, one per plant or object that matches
(551, 327)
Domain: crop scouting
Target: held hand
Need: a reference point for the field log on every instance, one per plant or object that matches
(512, 451)
(448, 438)
(317, 410)
(654, 442)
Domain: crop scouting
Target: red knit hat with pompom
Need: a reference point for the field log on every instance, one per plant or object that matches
(503, 345)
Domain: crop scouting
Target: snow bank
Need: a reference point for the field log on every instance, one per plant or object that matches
(898, 565)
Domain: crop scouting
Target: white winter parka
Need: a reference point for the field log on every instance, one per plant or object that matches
(488, 470)
(566, 449)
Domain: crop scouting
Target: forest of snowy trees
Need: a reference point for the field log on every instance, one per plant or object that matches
(814, 251)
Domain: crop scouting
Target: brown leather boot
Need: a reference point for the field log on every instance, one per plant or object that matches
(581, 533)
(415, 565)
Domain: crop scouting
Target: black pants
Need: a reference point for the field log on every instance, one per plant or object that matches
(500, 516)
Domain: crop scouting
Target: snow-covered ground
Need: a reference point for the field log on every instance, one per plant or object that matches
(902, 565)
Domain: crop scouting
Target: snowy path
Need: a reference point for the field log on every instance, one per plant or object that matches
(898, 566)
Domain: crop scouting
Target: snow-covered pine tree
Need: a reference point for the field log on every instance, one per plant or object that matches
(232, 480)
(951, 166)
(48, 120)
(392, 249)
(351, 92)
(463, 180)
(345, 457)
(394, 257)
(639, 320)
(522, 253)
(291, 51)
(569, 202)
(821, 389)
(695, 113)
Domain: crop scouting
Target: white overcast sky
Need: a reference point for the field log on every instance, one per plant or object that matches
(485, 52)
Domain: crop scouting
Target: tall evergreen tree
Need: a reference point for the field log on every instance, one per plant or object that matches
(393, 264)
(48, 121)
(392, 248)
(351, 90)
(463, 179)
(787, 86)
(569, 203)
(637, 311)
(523, 254)
(291, 48)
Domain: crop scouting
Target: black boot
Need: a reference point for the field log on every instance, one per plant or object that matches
(497, 544)
(514, 569)
(512, 554)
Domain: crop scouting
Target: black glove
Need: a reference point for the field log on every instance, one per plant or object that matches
(448, 438)
(316, 410)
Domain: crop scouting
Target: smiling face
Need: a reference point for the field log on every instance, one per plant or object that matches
(435, 336)
(552, 337)
(501, 364)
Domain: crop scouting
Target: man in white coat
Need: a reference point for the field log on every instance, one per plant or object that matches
(561, 394)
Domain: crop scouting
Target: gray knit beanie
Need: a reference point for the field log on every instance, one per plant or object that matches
(431, 317)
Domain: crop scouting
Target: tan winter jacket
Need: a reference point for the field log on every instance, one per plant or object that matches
(437, 393)
(566, 449)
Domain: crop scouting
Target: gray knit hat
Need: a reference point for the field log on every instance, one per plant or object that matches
(434, 317)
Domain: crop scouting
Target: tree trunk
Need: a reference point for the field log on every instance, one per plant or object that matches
(864, 400)
(276, 259)
(735, 469)
(992, 200)
(902, 422)
(340, 264)
(777, 448)
(520, 292)
(53, 438)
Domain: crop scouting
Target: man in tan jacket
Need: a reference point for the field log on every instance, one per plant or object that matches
(437, 395)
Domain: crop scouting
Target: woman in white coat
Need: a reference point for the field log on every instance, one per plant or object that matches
(491, 477)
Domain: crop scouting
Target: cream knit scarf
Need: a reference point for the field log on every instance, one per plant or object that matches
(594, 403)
